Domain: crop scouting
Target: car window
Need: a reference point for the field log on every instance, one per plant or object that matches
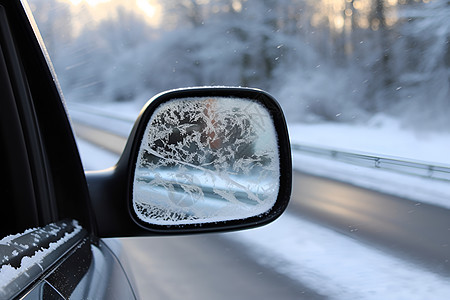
(364, 85)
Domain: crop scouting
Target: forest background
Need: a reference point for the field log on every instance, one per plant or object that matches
(324, 60)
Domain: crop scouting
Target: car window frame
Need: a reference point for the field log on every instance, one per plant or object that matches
(58, 163)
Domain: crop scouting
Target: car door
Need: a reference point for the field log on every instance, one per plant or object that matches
(49, 249)
(60, 261)
(88, 272)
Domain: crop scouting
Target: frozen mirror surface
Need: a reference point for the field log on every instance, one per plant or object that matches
(206, 160)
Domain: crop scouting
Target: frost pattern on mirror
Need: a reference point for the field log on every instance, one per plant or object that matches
(206, 160)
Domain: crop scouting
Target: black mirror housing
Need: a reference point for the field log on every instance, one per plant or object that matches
(181, 172)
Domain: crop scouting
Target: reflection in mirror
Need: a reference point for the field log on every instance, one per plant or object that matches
(206, 160)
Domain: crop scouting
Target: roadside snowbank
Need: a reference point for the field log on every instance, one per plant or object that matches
(335, 265)
(382, 136)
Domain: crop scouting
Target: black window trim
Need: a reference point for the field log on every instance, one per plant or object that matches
(20, 95)
(55, 166)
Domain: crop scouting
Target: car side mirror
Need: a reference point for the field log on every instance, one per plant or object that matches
(207, 159)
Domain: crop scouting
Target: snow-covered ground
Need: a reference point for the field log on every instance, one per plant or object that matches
(382, 136)
(332, 264)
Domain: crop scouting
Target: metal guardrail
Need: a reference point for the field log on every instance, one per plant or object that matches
(99, 112)
(409, 167)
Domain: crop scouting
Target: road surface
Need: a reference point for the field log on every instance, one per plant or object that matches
(210, 266)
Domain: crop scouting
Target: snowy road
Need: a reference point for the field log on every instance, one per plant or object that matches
(205, 267)
(412, 230)
(202, 267)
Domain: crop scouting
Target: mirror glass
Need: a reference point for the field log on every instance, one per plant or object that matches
(206, 160)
